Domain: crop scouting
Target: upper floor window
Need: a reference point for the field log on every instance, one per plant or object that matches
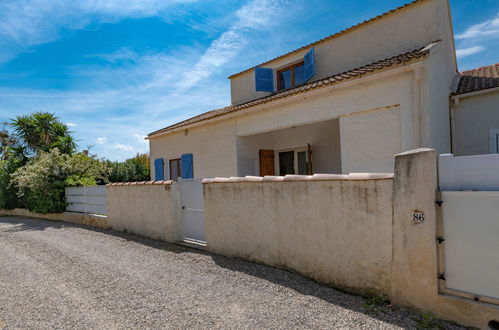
(288, 77)
(291, 76)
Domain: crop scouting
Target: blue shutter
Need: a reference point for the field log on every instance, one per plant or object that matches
(187, 166)
(264, 79)
(309, 63)
(159, 169)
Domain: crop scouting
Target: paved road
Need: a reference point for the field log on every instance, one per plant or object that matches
(58, 275)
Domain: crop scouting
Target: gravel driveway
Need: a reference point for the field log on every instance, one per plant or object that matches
(59, 275)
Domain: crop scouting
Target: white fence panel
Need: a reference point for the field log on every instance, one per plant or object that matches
(86, 199)
(479, 172)
(471, 232)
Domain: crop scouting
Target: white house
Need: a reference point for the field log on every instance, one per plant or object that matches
(475, 112)
(346, 103)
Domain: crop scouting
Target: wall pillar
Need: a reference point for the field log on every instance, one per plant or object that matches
(414, 267)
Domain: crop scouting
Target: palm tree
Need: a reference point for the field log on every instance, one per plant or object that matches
(43, 131)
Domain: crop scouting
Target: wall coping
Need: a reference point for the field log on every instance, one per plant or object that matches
(139, 183)
(315, 177)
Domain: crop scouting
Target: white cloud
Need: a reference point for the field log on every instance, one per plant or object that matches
(122, 54)
(71, 124)
(256, 15)
(115, 106)
(123, 147)
(27, 23)
(488, 29)
(463, 52)
(140, 138)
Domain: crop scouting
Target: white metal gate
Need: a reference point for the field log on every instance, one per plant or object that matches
(191, 199)
(471, 231)
(469, 244)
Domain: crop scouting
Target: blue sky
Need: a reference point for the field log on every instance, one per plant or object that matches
(115, 70)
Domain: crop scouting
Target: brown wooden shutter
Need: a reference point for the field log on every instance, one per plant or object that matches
(309, 164)
(267, 162)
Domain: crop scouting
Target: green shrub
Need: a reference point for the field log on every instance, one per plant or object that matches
(8, 194)
(42, 180)
(133, 169)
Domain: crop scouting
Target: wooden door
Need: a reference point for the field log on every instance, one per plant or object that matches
(267, 162)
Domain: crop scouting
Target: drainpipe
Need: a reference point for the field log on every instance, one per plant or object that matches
(454, 102)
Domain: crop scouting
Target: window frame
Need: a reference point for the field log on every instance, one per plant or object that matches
(179, 168)
(494, 140)
(289, 67)
(295, 150)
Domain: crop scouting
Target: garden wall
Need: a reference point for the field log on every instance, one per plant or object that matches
(356, 232)
(99, 221)
(150, 209)
(335, 230)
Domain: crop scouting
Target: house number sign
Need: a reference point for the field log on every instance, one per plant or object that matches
(418, 217)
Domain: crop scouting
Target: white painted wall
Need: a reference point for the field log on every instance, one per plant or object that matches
(408, 29)
(324, 137)
(369, 140)
(474, 116)
(213, 147)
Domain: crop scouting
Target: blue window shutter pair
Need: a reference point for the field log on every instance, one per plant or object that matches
(159, 169)
(309, 64)
(264, 79)
(187, 166)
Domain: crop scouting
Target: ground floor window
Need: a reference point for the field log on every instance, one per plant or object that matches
(175, 168)
(295, 161)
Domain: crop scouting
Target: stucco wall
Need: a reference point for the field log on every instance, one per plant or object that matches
(337, 232)
(324, 138)
(150, 210)
(213, 147)
(406, 30)
(369, 140)
(474, 116)
(219, 148)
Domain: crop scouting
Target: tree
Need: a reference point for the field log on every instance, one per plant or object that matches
(6, 141)
(132, 169)
(40, 183)
(42, 132)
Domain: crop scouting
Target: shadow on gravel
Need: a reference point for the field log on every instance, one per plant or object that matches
(293, 281)
(20, 224)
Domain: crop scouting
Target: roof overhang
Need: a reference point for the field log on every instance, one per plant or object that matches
(413, 65)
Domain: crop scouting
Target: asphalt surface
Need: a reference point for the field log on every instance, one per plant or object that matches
(55, 275)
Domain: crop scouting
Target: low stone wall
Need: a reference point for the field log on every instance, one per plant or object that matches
(150, 209)
(337, 232)
(356, 232)
(99, 221)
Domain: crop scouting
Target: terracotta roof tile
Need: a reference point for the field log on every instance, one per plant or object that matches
(363, 70)
(478, 79)
(334, 35)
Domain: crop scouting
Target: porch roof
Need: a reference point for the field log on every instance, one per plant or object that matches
(394, 61)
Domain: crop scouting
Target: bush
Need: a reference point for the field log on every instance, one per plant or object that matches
(42, 180)
(8, 194)
(133, 169)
